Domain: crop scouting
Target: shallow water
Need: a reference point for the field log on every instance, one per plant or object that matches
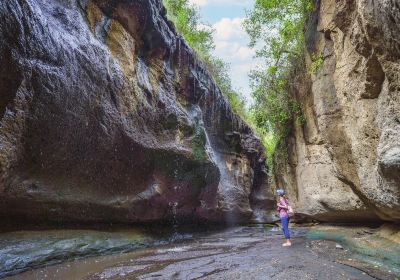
(22, 250)
(364, 246)
(234, 253)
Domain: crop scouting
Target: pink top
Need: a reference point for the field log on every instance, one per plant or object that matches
(283, 212)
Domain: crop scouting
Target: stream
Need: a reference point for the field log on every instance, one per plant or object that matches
(243, 252)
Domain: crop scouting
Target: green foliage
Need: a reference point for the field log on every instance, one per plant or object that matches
(317, 60)
(278, 27)
(270, 143)
(237, 103)
(275, 28)
(186, 20)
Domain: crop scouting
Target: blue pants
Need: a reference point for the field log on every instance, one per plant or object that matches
(285, 226)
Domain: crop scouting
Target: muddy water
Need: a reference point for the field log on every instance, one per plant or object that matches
(235, 253)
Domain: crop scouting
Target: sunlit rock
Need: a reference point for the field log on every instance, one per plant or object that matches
(344, 160)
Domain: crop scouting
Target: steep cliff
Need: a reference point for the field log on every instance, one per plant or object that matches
(344, 161)
(108, 116)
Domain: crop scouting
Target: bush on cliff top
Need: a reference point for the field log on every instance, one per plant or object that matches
(186, 21)
(276, 30)
(199, 37)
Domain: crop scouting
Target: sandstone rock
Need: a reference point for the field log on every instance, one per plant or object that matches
(106, 115)
(344, 161)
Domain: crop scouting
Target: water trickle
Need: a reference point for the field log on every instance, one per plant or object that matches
(174, 210)
(210, 150)
(179, 54)
(174, 203)
(219, 162)
(194, 88)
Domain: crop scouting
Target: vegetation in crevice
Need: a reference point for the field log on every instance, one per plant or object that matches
(316, 61)
(198, 36)
(276, 30)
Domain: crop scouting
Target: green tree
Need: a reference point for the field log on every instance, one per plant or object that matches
(187, 21)
(199, 37)
(276, 31)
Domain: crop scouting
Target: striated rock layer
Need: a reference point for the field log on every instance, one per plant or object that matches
(106, 115)
(344, 161)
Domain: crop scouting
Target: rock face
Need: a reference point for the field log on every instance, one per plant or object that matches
(344, 161)
(107, 116)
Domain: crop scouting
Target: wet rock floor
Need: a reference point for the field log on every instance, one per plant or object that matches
(234, 253)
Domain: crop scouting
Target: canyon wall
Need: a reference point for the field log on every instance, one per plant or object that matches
(343, 162)
(106, 115)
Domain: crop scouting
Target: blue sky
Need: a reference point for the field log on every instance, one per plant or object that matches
(231, 41)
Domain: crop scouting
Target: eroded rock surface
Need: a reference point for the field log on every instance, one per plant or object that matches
(106, 115)
(235, 253)
(344, 161)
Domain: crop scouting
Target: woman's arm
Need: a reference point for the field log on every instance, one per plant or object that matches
(282, 206)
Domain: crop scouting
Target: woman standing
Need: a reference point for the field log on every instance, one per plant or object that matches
(283, 204)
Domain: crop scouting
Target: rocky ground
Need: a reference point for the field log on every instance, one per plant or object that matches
(237, 253)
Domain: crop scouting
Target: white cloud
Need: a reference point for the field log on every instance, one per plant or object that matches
(227, 28)
(245, 53)
(199, 2)
(221, 2)
(231, 44)
(229, 33)
(231, 40)
(233, 51)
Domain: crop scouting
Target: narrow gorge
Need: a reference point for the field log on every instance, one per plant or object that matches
(109, 118)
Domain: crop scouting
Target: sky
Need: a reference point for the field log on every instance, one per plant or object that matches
(231, 41)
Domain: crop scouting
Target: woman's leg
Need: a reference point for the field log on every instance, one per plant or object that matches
(285, 229)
